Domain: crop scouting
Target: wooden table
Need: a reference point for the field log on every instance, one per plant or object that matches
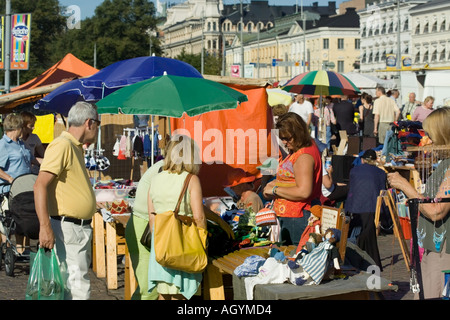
(107, 244)
(217, 268)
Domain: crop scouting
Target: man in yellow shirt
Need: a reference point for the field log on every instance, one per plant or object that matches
(385, 112)
(65, 200)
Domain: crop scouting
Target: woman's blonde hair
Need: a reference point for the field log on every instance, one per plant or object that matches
(437, 126)
(182, 154)
(12, 122)
(428, 99)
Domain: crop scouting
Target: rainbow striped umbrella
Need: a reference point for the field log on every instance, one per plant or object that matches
(321, 82)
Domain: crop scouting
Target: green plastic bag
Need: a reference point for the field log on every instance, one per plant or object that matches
(45, 281)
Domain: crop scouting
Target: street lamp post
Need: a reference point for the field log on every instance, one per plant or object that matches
(7, 45)
(242, 40)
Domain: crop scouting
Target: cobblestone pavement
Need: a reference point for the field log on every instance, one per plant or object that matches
(394, 270)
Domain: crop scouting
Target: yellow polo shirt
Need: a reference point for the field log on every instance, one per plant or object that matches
(70, 194)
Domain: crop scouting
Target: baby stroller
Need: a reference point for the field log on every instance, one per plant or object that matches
(20, 219)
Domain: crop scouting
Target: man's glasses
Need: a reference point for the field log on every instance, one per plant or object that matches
(96, 121)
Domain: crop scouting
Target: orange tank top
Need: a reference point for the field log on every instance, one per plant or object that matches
(285, 178)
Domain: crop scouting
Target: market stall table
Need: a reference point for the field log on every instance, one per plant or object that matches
(107, 245)
(354, 287)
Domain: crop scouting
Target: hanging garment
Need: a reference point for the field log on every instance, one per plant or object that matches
(138, 146)
(147, 146)
(116, 148)
(128, 146)
(123, 143)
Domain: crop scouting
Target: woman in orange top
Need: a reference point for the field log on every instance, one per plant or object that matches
(299, 178)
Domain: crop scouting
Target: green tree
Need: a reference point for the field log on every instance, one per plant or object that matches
(212, 64)
(118, 30)
(46, 26)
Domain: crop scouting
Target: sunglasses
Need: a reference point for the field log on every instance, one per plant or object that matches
(285, 138)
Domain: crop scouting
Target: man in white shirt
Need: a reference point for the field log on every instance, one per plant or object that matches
(303, 108)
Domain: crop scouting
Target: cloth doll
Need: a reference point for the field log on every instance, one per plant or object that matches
(313, 240)
(312, 227)
(324, 257)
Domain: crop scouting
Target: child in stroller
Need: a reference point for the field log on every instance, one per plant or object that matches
(19, 219)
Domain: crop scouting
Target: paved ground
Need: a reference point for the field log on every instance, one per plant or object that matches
(394, 270)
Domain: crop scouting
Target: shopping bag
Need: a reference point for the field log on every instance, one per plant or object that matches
(45, 281)
(179, 245)
(178, 242)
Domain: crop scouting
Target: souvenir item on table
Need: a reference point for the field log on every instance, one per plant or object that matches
(317, 264)
(119, 207)
(313, 241)
(178, 242)
(313, 226)
(266, 217)
(250, 266)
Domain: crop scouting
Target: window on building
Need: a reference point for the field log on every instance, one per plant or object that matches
(418, 29)
(357, 44)
(363, 33)
(442, 55)
(391, 27)
(443, 26)
(383, 28)
(340, 65)
(406, 25)
(364, 57)
(434, 28)
(326, 43)
(417, 60)
(425, 57)
(434, 56)
(377, 57)
(340, 43)
(425, 28)
(370, 59)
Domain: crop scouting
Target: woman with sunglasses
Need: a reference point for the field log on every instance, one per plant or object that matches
(298, 180)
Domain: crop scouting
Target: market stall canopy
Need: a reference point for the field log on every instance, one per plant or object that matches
(111, 78)
(66, 69)
(278, 96)
(171, 96)
(235, 138)
(368, 83)
(324, 83)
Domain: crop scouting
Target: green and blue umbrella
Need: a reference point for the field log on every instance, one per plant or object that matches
(171, 96)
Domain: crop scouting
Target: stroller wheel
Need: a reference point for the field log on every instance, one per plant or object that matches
(10, 259)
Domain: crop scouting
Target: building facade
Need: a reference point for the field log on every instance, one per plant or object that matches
(430, 34)
(332, 42)
(214, 26)
(385, 29)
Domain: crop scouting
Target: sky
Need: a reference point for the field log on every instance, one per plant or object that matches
(87, 7)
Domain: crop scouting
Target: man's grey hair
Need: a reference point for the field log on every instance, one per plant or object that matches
(80, 112)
